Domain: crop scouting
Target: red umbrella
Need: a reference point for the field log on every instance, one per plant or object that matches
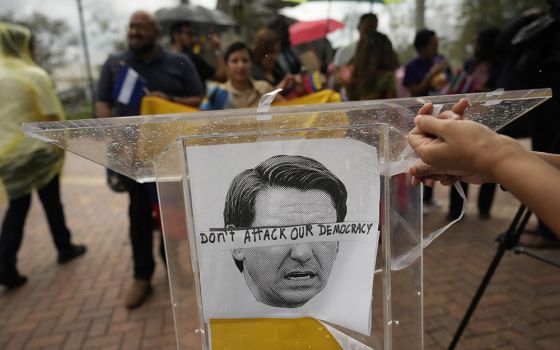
(304, 32)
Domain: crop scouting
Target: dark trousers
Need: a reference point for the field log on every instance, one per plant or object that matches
(485, 199)
(428, 194)
(14, 221)
(141, 230)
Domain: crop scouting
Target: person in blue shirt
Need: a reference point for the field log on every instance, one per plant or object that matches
(169, 76)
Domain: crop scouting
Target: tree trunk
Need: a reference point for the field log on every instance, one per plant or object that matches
(420, 6)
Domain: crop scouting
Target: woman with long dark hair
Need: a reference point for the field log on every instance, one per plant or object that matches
(373, 75)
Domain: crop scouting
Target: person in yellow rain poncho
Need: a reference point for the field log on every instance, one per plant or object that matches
(27, 95)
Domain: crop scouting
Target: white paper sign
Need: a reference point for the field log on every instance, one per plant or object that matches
(287, 229)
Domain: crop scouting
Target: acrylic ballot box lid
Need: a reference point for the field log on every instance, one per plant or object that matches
(360, 284)
(129, 145)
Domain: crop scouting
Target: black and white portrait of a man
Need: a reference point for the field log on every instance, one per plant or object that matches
(286, 190)
(285, 186)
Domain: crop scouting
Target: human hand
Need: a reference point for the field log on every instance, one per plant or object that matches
(421, 172)
(428, 175)
(288, 82)
(460, 148)
(214, 41)
(438, 68)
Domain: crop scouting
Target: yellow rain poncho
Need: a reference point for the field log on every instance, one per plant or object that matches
(26, 95)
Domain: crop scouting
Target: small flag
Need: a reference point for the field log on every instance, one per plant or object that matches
(129, 88)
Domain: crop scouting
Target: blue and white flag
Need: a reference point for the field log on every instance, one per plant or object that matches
(129, 88)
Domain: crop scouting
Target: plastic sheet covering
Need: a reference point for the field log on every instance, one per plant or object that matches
(26, 95)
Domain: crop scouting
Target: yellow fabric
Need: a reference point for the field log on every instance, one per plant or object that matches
(156, 105)
(322, 96)
(271, 334)
(26, 95)
(150, 146)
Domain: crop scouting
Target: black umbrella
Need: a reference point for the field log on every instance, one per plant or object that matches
(202, 19)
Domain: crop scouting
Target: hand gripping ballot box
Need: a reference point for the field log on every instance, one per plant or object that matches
(290, 227)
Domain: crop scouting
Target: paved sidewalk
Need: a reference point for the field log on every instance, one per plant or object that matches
(79, 305)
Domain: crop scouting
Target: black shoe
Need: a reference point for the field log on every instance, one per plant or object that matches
(10, 278)
(73, 252)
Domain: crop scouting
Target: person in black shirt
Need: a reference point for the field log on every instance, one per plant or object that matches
(182, 39)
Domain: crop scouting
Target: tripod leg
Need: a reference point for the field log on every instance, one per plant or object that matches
(507, 241)
(489, 273)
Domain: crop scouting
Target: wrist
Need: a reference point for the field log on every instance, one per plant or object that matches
(507, 156)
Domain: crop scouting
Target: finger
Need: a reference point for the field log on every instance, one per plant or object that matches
(460, 107)
(417, 140)
(431, 125)
(415, 181)
(428, 182)
(427, 108)
(449, 115)
(448, 180)
(473, 179)
(422, 170)
(441, 177)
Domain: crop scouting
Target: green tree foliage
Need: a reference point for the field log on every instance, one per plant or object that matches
(52, 38)
(477, 15)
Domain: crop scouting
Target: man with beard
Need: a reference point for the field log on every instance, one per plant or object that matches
(166, 75)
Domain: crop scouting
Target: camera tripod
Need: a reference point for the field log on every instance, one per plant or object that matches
(508, 240)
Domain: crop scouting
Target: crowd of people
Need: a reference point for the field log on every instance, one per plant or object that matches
(237, 77)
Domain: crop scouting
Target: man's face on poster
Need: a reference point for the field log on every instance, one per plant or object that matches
(289, 275)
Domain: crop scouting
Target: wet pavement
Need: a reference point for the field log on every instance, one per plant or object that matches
(79, 305)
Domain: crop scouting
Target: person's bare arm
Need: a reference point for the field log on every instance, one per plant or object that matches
(221, 70)
(102, 109)
(465, 147)
(534, 182)
(552, 159)
(422, 87)
(220, 73)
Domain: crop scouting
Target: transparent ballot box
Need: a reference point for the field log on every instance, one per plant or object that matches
(286, 228)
